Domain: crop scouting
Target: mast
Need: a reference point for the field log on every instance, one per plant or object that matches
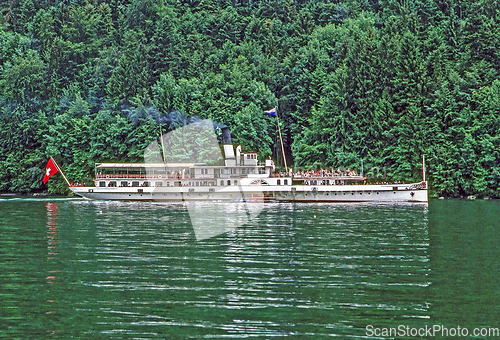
(281, 140)
(162, 146)
(423, 168)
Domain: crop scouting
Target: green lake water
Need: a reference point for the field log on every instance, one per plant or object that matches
(135, 270)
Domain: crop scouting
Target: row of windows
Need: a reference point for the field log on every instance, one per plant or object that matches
(114, 184)
(160, 184)
(209, 190)
(194, 184)
(285, 182)
(235, 182)
(322, 182)
(345, 193)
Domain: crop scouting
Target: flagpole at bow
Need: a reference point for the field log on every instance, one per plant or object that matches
(62, 173)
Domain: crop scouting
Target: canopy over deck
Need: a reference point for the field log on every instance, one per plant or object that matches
(143, 165)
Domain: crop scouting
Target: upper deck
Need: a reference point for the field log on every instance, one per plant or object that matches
(173, 171)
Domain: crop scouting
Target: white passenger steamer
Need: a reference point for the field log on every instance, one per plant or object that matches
(241, 178)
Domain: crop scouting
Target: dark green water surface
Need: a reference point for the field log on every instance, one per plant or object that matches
(121, 270)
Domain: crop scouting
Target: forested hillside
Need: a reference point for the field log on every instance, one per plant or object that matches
(383, 81)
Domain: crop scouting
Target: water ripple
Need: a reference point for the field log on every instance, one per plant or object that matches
(135, 270)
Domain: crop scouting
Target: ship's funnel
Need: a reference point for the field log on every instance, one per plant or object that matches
(226, 136)
(227, 144)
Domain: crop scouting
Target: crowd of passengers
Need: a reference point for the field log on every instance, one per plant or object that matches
(319, 173)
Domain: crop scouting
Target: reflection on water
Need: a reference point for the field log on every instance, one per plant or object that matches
(92, 269)
(52, 241)
(210, 219)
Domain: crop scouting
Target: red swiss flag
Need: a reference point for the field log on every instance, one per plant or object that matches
(50, 170)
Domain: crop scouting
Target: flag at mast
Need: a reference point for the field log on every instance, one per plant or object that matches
(271, 112)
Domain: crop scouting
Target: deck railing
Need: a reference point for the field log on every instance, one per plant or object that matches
(141, 176)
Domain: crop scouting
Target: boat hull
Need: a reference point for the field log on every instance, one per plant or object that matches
(416, 192)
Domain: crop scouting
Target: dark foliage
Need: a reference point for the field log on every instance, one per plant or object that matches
(385, 82)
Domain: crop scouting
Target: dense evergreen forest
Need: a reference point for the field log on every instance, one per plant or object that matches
(383, 81)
